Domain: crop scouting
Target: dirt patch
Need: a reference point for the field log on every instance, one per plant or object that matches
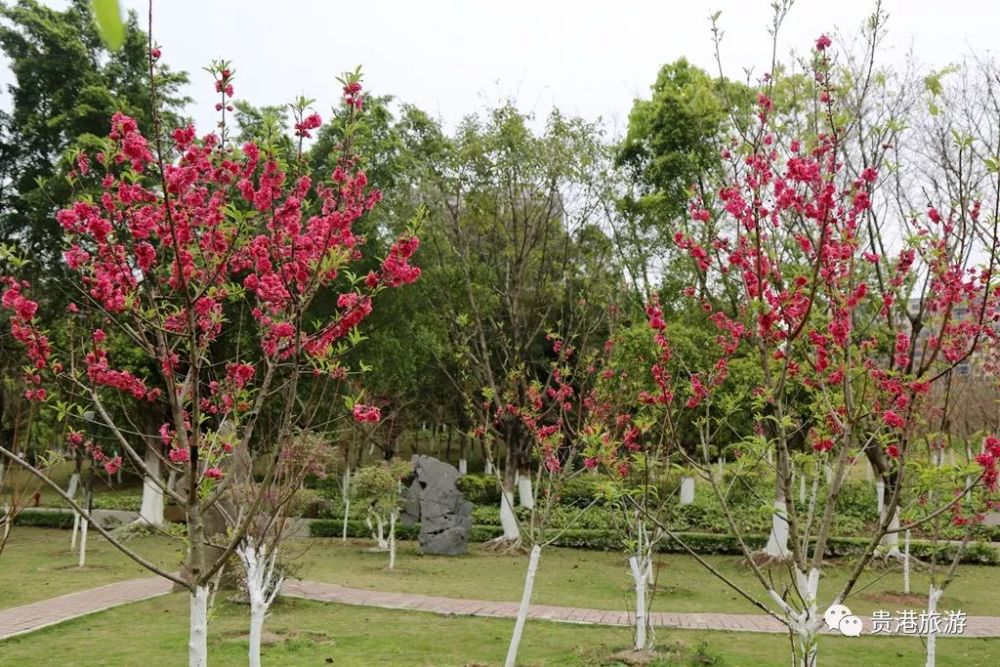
(632, 657)
(280, 635)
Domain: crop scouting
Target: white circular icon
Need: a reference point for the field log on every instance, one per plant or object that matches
(850, 626)
(834, 615)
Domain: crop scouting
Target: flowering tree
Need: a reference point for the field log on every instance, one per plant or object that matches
(822, 295)
(210, 260)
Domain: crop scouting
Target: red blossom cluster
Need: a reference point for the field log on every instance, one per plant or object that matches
(24, 330)
(172, 239)
(367, 414)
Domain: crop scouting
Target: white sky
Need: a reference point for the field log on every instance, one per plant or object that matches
(451, 57)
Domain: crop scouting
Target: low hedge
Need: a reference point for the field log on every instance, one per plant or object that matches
(39, 518)
(979, 553)
(356, 528)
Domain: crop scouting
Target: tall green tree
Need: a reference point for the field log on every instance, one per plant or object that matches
(67, 85)
(671, 152)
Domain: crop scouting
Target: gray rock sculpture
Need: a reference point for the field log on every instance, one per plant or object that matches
(434, 500)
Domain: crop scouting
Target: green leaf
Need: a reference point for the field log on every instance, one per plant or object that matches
(109, 22)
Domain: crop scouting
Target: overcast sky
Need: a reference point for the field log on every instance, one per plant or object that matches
(452, 57)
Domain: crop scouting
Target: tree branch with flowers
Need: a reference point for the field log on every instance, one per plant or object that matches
(210, 260)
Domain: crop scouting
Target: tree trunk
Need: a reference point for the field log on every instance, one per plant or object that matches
(198, 630)
(257, 615)
(522, 610)
(803, 624)
(932, 601)
(83, 542)
(525, 497)
(383, 545)
(347, 497)
(640, 581)
(392, 540)
(76, 530)
(906, 563)
(262, 585)
(890, 541)
(777, 541)
(74, 484)
(463, 466)
(687, 490)
(151, 511)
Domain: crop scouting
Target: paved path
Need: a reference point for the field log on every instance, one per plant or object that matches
(38, 615)
(30, 617)
(977, 626)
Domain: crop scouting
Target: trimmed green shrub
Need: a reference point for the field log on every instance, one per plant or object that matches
(480, 489)
(39, 518)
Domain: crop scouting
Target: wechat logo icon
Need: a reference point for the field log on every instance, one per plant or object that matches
(839, 617)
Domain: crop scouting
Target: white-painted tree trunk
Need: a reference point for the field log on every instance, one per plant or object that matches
(777, 541)
(722, 469)
(890, 541)
(525, 497)
(378, 531)
(151, 511)
(198, 628)
(488, 467)
(463, 467)
(83, 543)
(263, 582)
(932, 602)
(906, 563)
(511, 531)
(346, 491)
(639, 581)
(805, 623)
(76, 530)
(522, 610)
(74, 484)
(392, 539)
(802, 488)
(869, 474)
(687, 490)
(880, 495)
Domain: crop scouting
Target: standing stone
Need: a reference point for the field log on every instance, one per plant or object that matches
(434, 500)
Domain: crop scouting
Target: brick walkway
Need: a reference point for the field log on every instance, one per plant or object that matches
(38, 615)
(30, 617)
(977, 626)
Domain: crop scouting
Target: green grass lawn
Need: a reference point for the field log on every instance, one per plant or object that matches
(60, 474)
(597, 579)
(308, 633)
(38, 564)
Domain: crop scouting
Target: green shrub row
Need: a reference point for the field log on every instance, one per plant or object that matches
(703, 543)
(39, 518)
